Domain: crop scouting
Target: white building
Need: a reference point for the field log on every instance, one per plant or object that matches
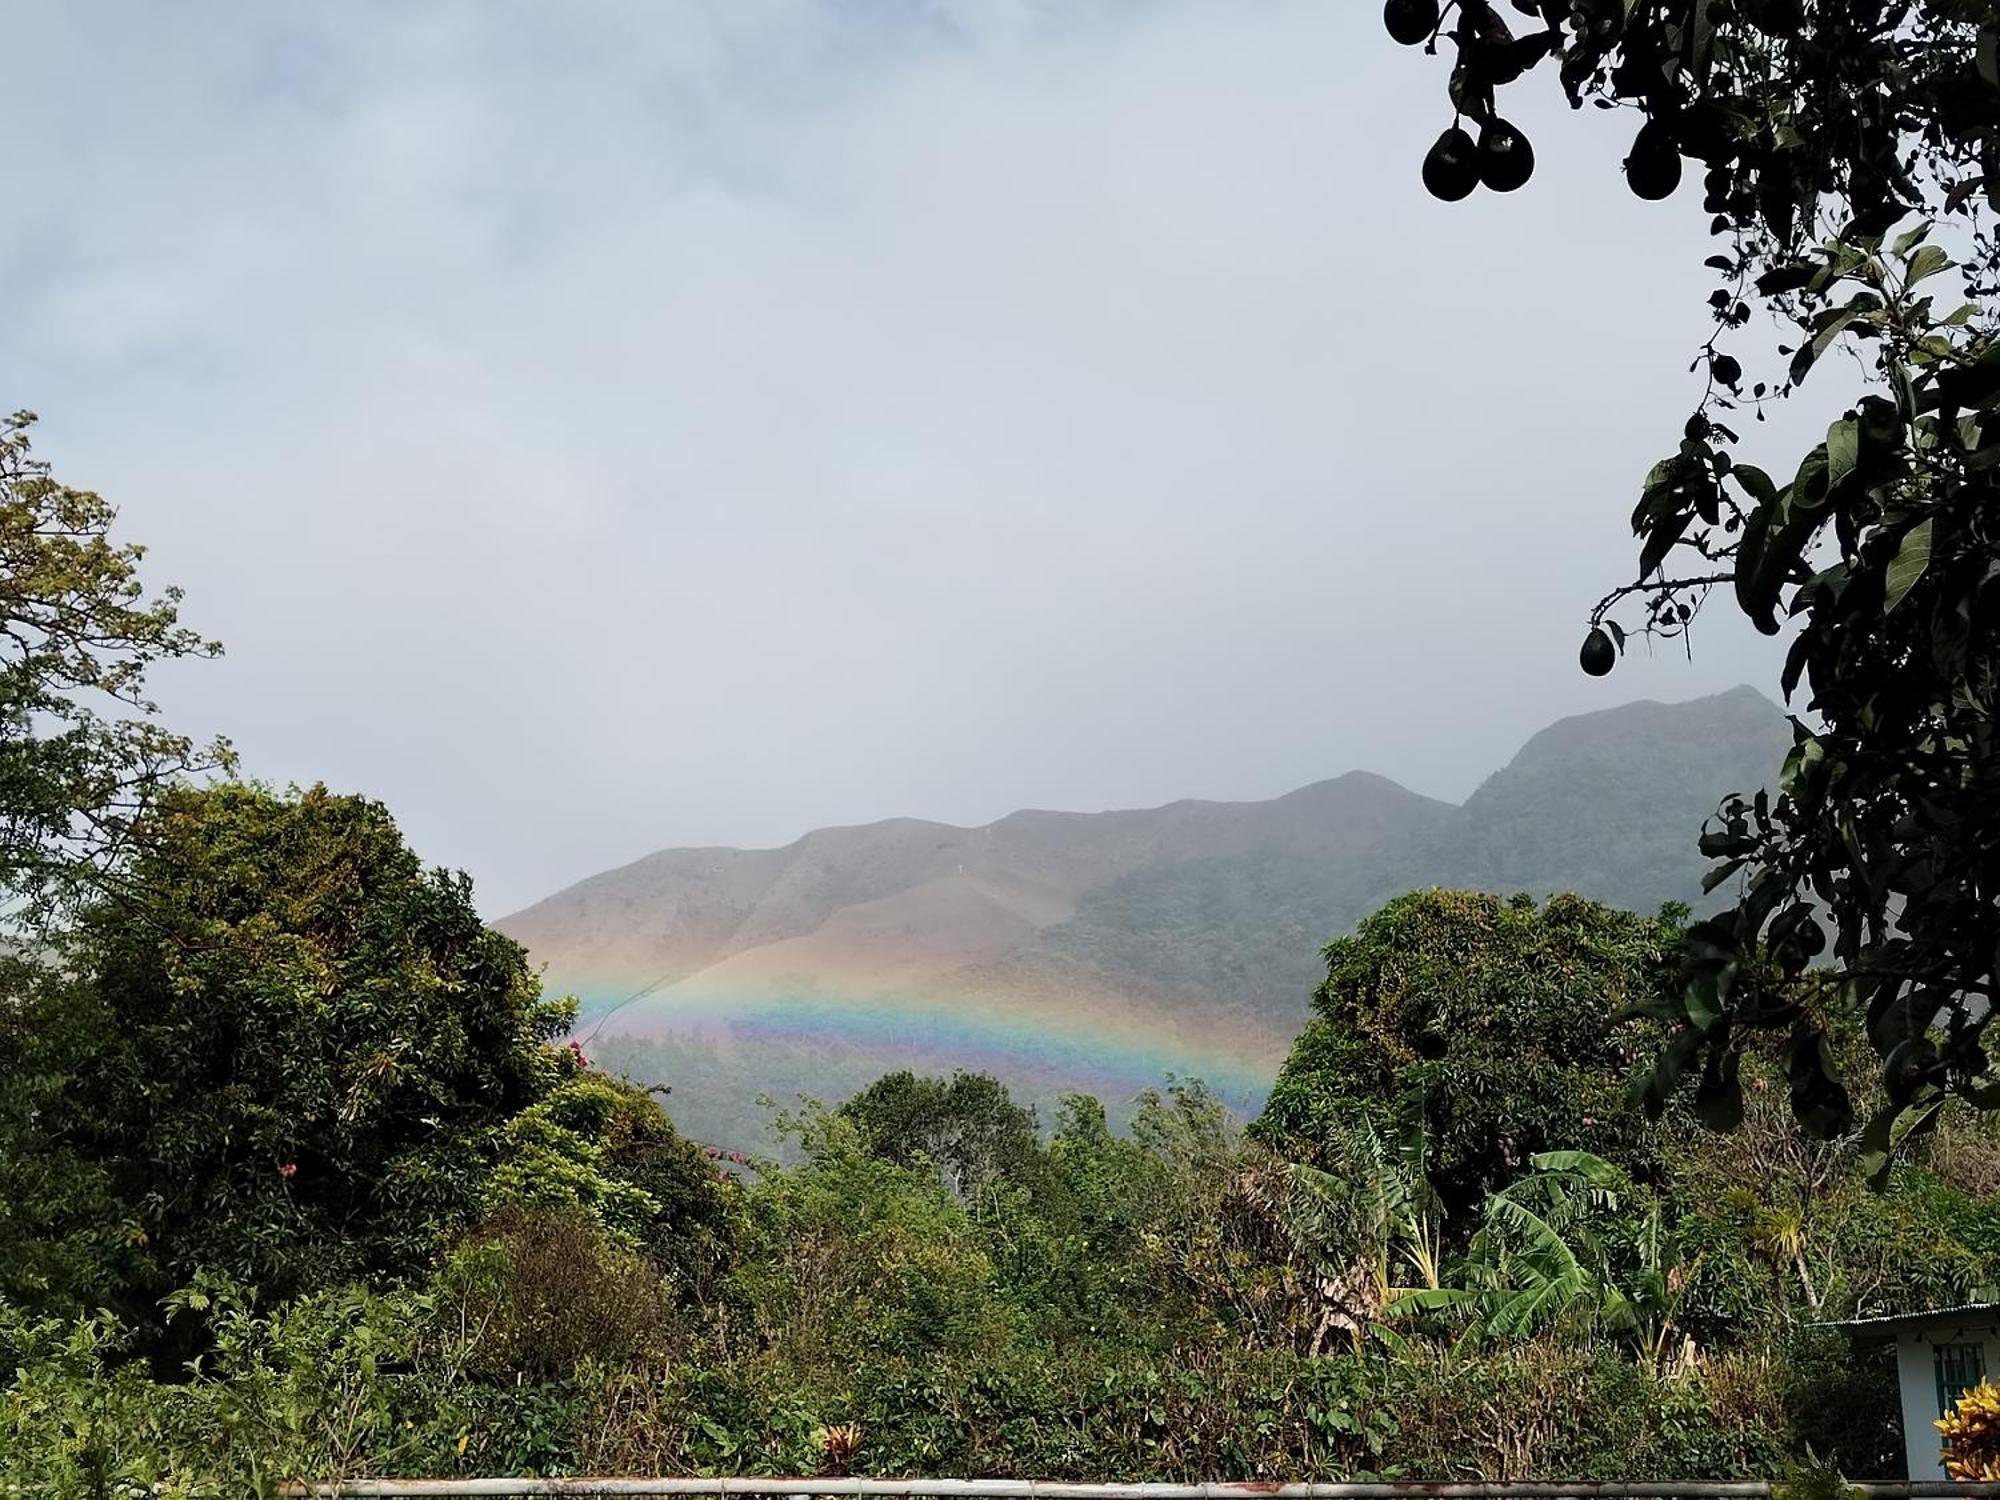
(1940, 1355)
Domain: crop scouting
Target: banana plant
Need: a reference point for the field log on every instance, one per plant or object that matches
(1375, 1228)
(1575, 1239)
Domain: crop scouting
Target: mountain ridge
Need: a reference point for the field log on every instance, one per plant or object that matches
(829, 868)
(1182, 937)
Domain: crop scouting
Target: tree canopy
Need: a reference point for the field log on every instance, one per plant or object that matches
(967, 1127)
(301, 1043)
(1492, 1019)
(1850, 159)
(80, 746)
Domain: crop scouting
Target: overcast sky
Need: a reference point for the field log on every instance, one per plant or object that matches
(598, 426)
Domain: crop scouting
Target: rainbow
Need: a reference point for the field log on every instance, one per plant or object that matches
(1106, 1043)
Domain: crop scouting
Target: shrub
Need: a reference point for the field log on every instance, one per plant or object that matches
(969, 1129)
(542, 1291)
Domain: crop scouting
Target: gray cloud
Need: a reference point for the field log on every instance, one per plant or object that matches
(611, 425)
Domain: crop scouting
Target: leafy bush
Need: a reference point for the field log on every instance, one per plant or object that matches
(853, 1256)
(543, 1291)
(968, 1129)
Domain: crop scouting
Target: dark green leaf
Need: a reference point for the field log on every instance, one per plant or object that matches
(1843, 449)
(1908, 565)
(1928, 261)
(1718, 1100)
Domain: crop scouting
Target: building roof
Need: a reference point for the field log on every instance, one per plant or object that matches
(1888, 1325)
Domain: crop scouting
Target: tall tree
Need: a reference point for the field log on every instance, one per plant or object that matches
(1484, 1024)
(82, 752)
(81, 747)
(1850, 152)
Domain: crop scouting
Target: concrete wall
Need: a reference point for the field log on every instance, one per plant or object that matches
(1916, 1374)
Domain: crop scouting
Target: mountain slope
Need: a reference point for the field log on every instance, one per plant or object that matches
(878, 907)
(1609, 804)
(1100, 950)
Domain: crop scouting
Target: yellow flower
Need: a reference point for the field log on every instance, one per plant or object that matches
(1971, 1432)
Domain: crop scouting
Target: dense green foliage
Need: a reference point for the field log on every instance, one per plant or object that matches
(1386, 1277)
(1851, 151)
(280, 1050)
(1496, 1013)
(1145, 1313)
(301, 1044)
(969, 1129)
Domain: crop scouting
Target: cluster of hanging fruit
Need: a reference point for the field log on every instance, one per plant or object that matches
(1501, 157)
(1776, 141)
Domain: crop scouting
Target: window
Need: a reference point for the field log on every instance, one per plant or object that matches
(1960, 1367)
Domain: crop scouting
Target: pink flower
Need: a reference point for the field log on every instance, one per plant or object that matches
(289, 1170)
